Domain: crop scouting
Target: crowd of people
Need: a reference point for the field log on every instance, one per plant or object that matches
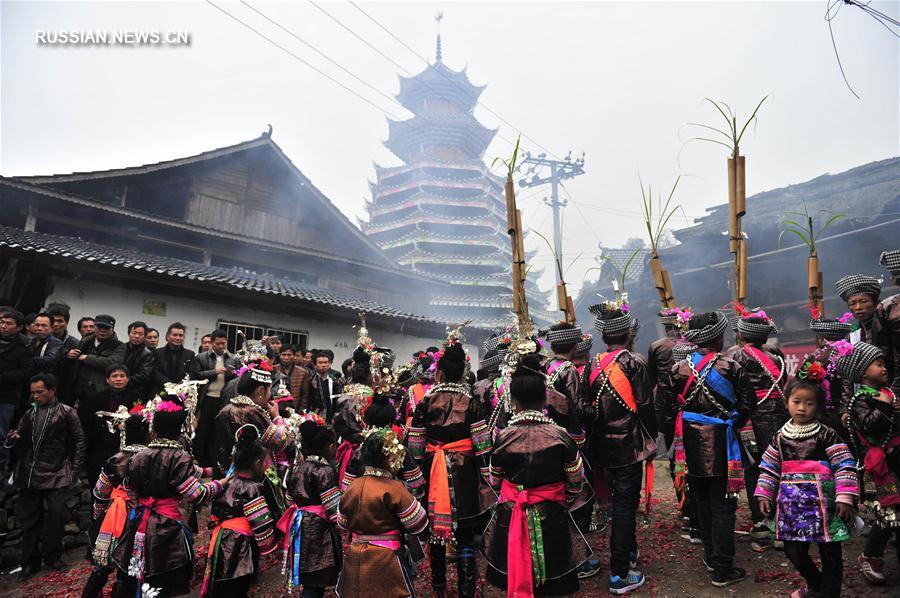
(357, 476)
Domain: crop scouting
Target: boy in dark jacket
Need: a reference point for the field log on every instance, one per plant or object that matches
(50, 445)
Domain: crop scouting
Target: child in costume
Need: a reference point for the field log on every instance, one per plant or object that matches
(533, 546)
(112, 502)
(875, 428)
(808, 482)
(378, 509)
(312, 547)
(155, 553)
(244, 528)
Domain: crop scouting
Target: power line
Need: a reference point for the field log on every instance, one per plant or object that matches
(323, 55)
(425, 60)
(304, 62)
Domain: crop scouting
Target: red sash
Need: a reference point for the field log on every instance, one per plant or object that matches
(774, 391)
(239, 525)
(343, 454)
(439, 507)
(519, 563)
(167, 507)
(876, 463)
(114, 520)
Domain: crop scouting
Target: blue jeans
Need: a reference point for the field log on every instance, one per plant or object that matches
(6, 415)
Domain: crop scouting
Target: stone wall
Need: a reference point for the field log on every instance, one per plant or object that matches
(78, 507)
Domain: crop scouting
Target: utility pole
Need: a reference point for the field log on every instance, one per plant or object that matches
(560, 170)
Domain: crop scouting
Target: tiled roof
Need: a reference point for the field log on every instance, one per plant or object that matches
(77, 250)
(619, 257)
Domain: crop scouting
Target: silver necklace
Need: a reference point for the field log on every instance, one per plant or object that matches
(530, 415)
(794, 432)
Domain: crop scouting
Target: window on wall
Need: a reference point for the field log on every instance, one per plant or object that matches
(254, 332)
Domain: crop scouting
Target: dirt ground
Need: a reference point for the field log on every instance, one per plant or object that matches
(671, 564)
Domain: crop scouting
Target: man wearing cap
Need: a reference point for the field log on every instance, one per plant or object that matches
(713, 403)
(890, 314)
(16, 364)
(562, 406)
(94, 354)
(617, 398)
(766, 375)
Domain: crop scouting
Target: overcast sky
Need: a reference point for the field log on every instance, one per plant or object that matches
(616, 80)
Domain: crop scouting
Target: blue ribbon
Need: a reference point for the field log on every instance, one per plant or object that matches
(716, 381)
(296, 535)
(731, 440)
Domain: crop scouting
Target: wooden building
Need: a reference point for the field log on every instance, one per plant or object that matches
(235, 237)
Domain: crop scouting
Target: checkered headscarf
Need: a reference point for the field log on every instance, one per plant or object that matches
(683, 349)
(491, 360)
(832, 330)
(564, 335)
(587, 341)
(758, 330)
(891, 261)
(491, 343)
(701, 336)
(611, 320)
(853, 284)
(851, 366)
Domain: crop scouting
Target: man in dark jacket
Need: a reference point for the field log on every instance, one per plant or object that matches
(59, 314)
(94, 354)
(715, 403)
(46, 349)
(172, 360)
(100, 442)
(619, 406)
(50, 445)
(217, 367)
(15, 368)
(140, 361)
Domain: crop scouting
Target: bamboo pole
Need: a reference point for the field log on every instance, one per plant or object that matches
(514, 229)
(740, 195)
(734, 230)
(742, 270)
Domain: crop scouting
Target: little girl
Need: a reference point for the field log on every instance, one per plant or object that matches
(378, 510)
(312, 547)
(810, 476)
(243, 522)
(875, 426)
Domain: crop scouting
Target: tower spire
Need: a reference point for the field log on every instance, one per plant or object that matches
(437, 19)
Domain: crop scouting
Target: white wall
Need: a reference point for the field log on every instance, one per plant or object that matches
(88, 298)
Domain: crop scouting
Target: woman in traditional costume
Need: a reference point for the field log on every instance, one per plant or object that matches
(155, 555)
(450, 437)
(532, 544)
(112, 501)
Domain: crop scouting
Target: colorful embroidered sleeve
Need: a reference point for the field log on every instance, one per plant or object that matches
(481, 437)
(843, 466)
(411, 476)
(276, 437)
(415, 442)
(769, 472)
(578, 438)
(413, 517)
(495, 477)
(102, 491)
(194, 492)
(347, 479)
(261, 524)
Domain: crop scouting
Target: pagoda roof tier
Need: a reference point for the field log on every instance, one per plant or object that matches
(419, 217)
(498, 301)
(382, 190)
(485, 199)
(493, 242)
(384, 173)
(407, 139)
(439, 82)
(436, 207)
(418, 256)
(500, 279)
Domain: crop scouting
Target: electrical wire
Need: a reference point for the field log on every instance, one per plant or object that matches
(304, 62)
(389, 98)
(425, 60)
